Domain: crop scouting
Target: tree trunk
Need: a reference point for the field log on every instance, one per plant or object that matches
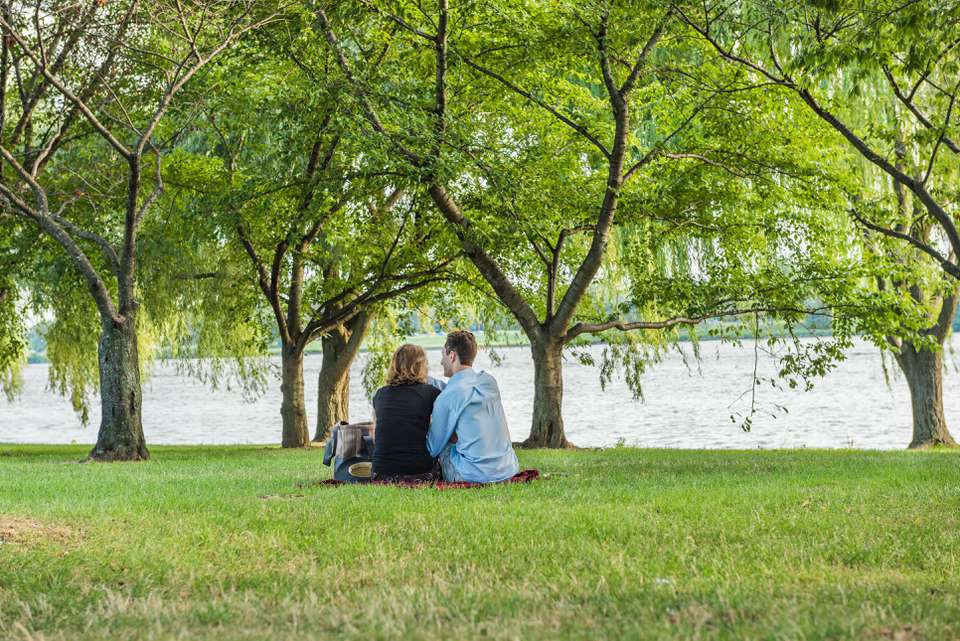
(121, 429)
(547, 428)
(333, 383)
(924, 373)
(293, 409)
(340, 348)
(333, 401)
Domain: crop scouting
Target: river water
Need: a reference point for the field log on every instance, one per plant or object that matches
(685, 405)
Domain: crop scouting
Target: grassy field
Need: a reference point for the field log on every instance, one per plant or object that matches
(235, 543)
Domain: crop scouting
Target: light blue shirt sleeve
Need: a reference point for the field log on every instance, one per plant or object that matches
(442, 423)
(470, 407)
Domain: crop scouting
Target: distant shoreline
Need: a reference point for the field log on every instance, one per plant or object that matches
(508, 338)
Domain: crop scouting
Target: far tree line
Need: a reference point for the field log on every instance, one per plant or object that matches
(203, 179)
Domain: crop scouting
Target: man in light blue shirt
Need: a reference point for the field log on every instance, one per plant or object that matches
(468, 429)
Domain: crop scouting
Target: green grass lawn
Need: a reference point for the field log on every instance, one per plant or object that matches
(226, 543)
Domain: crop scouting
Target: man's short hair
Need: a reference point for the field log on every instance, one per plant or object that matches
(464, 344)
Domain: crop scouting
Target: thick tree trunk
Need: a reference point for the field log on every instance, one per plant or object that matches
(340, 348)
(547, 428)
(293, 409)
(333, 383)
(121, 429)
(333, 402)
(924, 373)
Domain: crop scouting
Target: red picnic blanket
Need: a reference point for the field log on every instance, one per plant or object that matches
(523, 476)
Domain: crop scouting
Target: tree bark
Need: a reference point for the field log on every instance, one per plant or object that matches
(923, 370)
(293, 411)
(340, 348)
(120, 437)
(547, 429)
(333, 388)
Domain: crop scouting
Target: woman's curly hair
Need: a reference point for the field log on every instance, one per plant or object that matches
(408, 365)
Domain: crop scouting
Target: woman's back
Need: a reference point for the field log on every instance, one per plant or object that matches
(403, 418)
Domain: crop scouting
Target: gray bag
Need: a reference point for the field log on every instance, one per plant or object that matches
(349, 443)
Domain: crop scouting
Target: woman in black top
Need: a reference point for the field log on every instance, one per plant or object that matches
(402, 411)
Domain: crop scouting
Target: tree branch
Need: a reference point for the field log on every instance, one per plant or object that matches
(865, 150)
(400, 22)
(645, 53)
(98, 288)
(948, 266)
(943, 133)
(921, 117)
(485, 264)
(580, 129)
(625, 326)
(62, 88)
(656, 150)
(369, 112)
(266, 286)
(157, 190)
(232, 35)
(948, 311)
(108, 251)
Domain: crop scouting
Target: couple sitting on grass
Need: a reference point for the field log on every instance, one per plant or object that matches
(427, 430)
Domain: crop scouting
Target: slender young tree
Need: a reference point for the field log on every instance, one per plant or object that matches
(112, 71)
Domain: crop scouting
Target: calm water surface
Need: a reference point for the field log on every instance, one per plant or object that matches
(851, 407)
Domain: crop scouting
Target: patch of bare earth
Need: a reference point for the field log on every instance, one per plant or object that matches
(17, 529)
(901, 633)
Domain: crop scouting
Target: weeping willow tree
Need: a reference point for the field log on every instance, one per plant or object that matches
(186, 315)
(85, 91)
(916, 341)
(882, 80)
(538, 129)
(323, 228)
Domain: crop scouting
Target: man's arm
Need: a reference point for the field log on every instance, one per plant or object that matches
(442, 425)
